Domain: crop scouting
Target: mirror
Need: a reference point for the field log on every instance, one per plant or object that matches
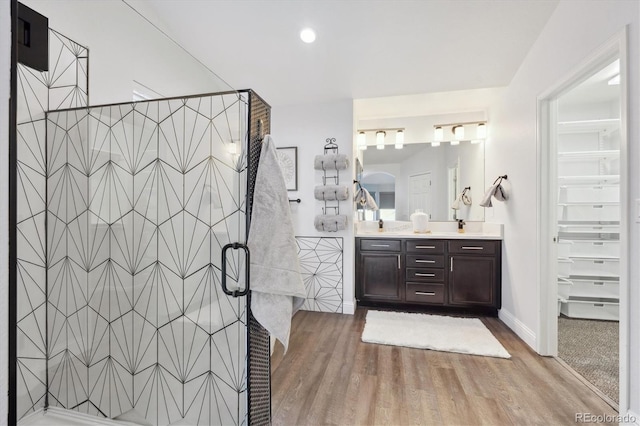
(422, 176)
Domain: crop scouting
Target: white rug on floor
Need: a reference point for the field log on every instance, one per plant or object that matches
(436, 332)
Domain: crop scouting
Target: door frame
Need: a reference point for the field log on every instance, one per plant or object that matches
(547, 344)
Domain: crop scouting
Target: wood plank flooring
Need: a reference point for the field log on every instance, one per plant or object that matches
(330, 377)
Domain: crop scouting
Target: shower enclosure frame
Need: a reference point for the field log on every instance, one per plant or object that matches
(257, 344)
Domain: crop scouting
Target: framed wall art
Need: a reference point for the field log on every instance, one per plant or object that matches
(288, 159)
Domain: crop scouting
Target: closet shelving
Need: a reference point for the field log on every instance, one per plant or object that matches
(588, 218)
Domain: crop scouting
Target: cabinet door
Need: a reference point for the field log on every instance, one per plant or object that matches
(380, 277)
(472, 280)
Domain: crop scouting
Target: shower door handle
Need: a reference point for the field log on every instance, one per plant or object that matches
(234, 293)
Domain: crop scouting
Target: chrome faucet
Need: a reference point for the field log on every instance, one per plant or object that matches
(380, 225)
(461, 224)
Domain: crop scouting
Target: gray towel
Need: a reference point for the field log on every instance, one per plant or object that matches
(365, 199)
(496, 190)
(331, 162)
(276, 284)
(330, 222)
(331, 192)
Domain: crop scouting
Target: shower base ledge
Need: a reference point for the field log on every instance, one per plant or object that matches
(55, 416)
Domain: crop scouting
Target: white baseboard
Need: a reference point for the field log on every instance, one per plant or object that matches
(518, 327)
(630, 418)
(349, 308)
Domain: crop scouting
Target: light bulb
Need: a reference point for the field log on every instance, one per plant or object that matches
(458, 132)
(481, 131)
(399, 139)
(438, 134)
(362, 139)
(380, 139)
(308, 35)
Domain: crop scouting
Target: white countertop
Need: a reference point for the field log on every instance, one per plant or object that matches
(437, 230)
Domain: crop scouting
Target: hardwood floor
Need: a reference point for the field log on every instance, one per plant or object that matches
(329, 376)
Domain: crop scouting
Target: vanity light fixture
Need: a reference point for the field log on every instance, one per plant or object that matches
(481, 131)
(438, 134)
(362, 140)
(399, 139)
(458, 133)
(380, 135)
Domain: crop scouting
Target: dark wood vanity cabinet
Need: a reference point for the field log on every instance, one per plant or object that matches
(454, 273)
(474, 273)
(379, 268)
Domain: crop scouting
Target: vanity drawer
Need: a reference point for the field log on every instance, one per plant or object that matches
(425, 293)
(380, 245)
(425, 274)
(425, 246)
(425, 261)
(476, 247)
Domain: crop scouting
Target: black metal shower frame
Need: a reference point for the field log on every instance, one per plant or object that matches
(258, 359)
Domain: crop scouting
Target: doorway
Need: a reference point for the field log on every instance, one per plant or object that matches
(420, 193)
(583, 222)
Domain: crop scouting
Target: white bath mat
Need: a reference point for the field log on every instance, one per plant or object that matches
(436, 332)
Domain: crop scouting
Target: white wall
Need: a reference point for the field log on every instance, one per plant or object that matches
(307, 126)
(5, 79)
(123, 47)
(574, 31)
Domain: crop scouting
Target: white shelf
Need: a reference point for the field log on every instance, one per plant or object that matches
(588, 126)
(595, 179)
(609, 154)
(589, 203)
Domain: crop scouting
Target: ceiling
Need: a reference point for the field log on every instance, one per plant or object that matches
(363, 49)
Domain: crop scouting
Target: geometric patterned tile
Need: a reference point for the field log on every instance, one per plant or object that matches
(321, 268)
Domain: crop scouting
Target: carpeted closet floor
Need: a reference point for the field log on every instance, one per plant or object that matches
(591, 348)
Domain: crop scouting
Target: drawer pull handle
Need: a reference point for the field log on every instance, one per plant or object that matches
(451, 264)
(596, 243)
(380, 245)
(598, 283)
(598, 206)
(598, 262)
(419, 274)
(598, 305)
(399, 262)
(426, 293)
(425, 247)
(472, 248)
(425, 261)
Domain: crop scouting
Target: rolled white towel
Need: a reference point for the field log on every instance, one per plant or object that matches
(330, 223)
(331, 192)
(331, 162)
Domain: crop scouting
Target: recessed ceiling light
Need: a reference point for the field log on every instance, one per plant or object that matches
(308, 35)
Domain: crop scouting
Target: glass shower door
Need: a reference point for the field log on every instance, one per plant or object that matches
(142, 197)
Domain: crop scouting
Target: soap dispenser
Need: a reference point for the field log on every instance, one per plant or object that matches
(461, 224)
(380, 225)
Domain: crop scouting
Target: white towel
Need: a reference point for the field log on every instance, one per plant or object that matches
(464, 197)
(331, 192)
(496, 190)
(330, 222)
(365, 199)
(331, 162)
(276, 284)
